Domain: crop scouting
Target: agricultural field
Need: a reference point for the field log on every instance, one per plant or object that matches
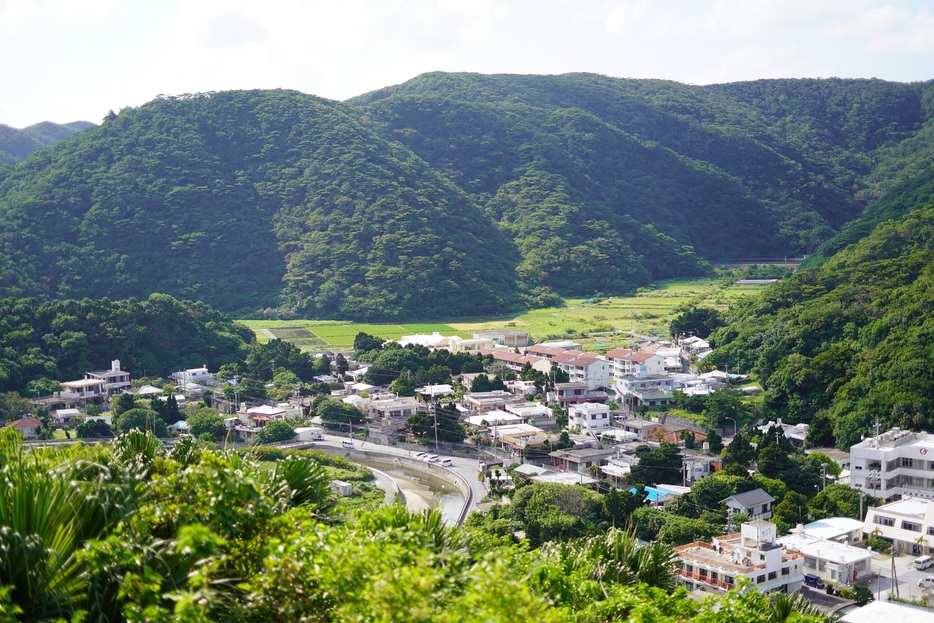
(600, 324)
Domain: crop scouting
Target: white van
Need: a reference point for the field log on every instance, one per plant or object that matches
(927, 582)
(347, 444)
(923, 562)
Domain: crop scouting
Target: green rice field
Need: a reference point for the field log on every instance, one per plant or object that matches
(600, 325)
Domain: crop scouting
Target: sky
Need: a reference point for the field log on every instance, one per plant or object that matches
(69, 60)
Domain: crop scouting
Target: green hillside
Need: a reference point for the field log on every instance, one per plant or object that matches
(16, 145)
(850, 342)
(451, 195)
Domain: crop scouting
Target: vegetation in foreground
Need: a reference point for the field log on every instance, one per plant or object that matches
(131, 532)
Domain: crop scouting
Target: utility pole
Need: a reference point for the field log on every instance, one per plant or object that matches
(823, 479)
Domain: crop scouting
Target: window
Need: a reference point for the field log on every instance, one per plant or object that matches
(785, 571)
(907, 462)
(689, 568)
(885, 521)
(909, 525)
(713, 575)
(728, 579)
(760, 579)
(772, 575)
(703, 573)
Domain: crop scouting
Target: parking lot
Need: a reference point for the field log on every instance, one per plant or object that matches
(907, 577)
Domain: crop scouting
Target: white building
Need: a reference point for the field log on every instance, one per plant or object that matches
(907, 524)
(589, 416)
(831, 560)
(201, 376)
(754, 553)
(897, 463)
(635, 363)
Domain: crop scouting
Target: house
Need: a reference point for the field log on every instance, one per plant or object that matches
(201, 376)
(457, 344)
(507, 339)
(908, 524)
(388, 408)
(652, 392)
(147, 391)
(831, 560)
(65, 416)
(84, 390)
(894, 464)
(566, 394)
(756, 504)
(580, 459)
(634, 363)
(588, 416)
(430, 392)
(479, 402)
(115, 380)
(794, 433)
(840, 529)
(587, 368)
(753, 553)
(28, 427)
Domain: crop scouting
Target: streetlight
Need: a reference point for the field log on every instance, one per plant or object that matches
(734, 423)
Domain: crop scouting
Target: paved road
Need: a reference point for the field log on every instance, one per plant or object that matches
(464, 469)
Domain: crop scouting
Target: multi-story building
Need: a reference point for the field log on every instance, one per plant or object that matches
(651, 391)
(574, 393)
(634, 363)
(115, 380)
(753, 553)
(589, 416)
(908, 524)
(894, 464)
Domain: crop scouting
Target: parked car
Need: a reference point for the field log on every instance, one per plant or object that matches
(923, 562)
(433, 458)
(813, 580)
(347, 444)
(927, 582)
(447, 462)
(420, 456)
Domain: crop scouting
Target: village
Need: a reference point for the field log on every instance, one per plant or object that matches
(615, 407)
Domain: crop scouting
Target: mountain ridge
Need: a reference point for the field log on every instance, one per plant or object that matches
(450, 194)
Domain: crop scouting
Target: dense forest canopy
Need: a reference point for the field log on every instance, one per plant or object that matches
(451, 194)
(61, 340)
(848, 343)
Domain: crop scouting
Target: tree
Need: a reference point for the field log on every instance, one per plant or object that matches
(714, 441)
(421, 425)
(658, 466)
(365, 343)
(699, 321)
(739, 452)
(94, 428)
(142, 419)
(792, 510)
(12, 406)
(273, 431)
(404, 385)
(206, 421)
(724, 404)
(123, 403)
(338, 413)
(838, 501)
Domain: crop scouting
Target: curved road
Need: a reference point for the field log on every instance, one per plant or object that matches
(418, 496)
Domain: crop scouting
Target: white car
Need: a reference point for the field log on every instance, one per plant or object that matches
(421, 456)
(447, 462)
(927, 582)
(433, 458)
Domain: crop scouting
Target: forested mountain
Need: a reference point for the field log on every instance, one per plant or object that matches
(451, 194)
(61, 340)
(16, 145)
(851, 341)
